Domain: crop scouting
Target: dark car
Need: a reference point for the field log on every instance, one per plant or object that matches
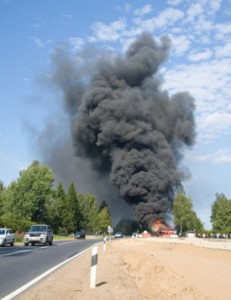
(79, 235)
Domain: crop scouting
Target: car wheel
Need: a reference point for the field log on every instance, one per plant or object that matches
(12, 244)
(25, 244)
(51, 242)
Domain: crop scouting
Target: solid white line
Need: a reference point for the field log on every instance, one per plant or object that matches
(29, 284)
(65, 243)
(13, 253)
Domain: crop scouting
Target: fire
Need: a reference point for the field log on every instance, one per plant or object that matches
(161, 229)
(158, 226)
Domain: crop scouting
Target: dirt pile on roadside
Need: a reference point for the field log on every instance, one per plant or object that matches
(141, 269)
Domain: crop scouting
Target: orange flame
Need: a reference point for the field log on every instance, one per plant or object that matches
(158, 226)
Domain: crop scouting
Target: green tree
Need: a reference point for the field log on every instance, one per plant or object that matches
(2, 197)
(72, 217)
(221, 214)
(26, 198)
(59, 208)
(55, 208)
(184, 216)
(105, 220)
(90, 212)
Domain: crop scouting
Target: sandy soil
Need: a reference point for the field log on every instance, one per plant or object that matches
(141, 269)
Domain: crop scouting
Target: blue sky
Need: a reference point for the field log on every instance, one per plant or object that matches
(199, 62)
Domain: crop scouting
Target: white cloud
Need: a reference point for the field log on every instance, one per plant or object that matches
(38, 42)
(227, 12)
(144, 10)
(166, 18)
(202, 25)
(222, 30)
(214, 6)
(212, 77)
(220, 156)
(223, 51)
(216, 121)
(109, 32)
(76, 43)
(194, 11)
(197, 56)
(174, 2)
(181, 43)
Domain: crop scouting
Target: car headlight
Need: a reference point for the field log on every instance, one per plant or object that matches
(43, 235)
(26, 235)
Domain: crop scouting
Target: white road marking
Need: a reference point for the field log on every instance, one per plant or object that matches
(8, 254)
(65, 243)
(29, 284)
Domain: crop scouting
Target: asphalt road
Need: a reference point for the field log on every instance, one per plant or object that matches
(19, 265)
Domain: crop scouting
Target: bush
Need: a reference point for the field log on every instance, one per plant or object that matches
(15, 224)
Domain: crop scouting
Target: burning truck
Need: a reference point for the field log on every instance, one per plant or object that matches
(160, 229)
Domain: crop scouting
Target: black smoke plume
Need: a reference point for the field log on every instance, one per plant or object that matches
(131, 131)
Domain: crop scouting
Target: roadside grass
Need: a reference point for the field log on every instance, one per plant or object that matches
(63, 237)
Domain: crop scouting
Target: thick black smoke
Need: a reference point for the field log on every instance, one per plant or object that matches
(131, 130)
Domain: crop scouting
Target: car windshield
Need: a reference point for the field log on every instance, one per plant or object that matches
(2, 231)
(37, 228)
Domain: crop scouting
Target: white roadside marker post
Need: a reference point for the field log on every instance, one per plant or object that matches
(104, 243)
(94, 260)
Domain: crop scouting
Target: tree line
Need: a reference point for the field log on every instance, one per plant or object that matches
(33, 198)
(185, 218)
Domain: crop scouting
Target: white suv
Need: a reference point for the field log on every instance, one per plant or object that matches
(6, 236)
(39, 234)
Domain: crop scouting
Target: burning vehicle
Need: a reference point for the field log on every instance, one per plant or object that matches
(160, 229)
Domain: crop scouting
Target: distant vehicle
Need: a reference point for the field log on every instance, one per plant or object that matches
(118, 235)
(6, 237)
(79, 235)
(39, 234)
(190, 233)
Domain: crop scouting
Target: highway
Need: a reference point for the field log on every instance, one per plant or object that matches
(19, 264)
